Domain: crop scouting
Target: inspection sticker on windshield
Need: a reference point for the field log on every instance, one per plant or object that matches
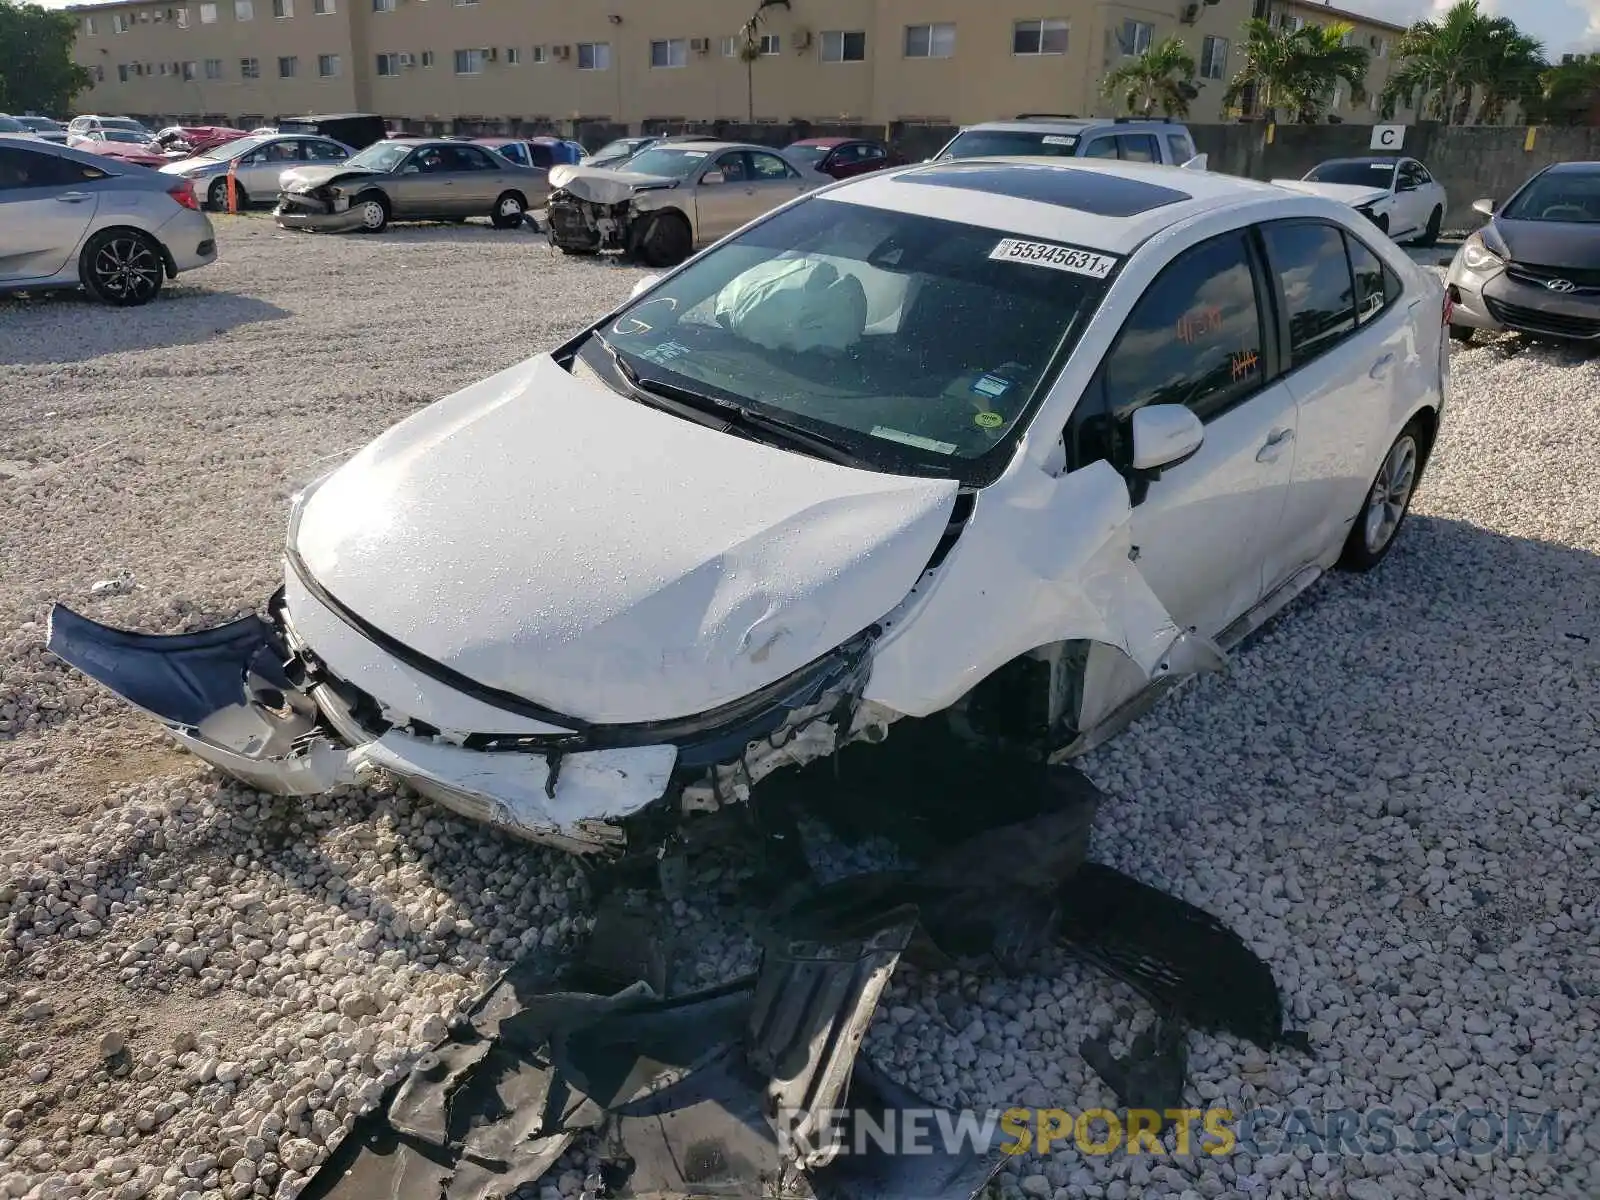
(695, 153)
(912, 439)
(1057, 258)
(1057, 140)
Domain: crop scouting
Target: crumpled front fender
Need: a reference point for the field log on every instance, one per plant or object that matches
(1049, 560)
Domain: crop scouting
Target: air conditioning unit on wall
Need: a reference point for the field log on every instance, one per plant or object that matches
(700, 45)
(801, 40)
(561, 52)
(407, 60)
(491, 54)
(1190, 14)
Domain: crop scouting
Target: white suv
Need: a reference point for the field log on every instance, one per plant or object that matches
(1024, 443)
(1031, 135)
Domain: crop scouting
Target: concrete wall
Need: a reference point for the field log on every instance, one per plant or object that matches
(1471, 161)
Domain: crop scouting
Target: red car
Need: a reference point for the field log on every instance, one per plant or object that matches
(124, 145)
(843, 158)
(196, 139)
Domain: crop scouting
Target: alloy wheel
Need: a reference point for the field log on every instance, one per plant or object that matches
(1391, 492)
(127, 269)
(372, 215)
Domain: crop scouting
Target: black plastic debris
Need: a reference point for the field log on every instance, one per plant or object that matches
(729, 1091)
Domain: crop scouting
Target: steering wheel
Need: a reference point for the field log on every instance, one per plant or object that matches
(1562, 212)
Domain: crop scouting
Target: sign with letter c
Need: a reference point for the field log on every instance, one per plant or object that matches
(1388, 137)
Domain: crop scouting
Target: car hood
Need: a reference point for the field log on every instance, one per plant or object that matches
(601, 185)
(1574, 244)
(1352, 194)
(543, 535)
(304, 179)
(191, 164)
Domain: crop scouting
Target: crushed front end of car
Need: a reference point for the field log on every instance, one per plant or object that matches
(594, 211)
(312, 201)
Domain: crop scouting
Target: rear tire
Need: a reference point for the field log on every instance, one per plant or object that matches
(663, 240)
(122, 267)
(1430, 235)
(509, 211)
(1387, 503)
(1461, 333)
(374, 210)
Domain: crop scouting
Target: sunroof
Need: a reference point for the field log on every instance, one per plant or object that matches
(1087, 191)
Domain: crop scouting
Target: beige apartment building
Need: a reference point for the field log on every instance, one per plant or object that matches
(511, 63)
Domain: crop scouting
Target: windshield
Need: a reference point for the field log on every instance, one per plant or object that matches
(1011, 143)
(126, 136)
(122, 123)
(670, 163)
(380, 156)
(1360, 174)
(1570, 196)
(618, 149)
(806, 156)
(228, 149)
(922, 345)
(7, 125)
(40, 124)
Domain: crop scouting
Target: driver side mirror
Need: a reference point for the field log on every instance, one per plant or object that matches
(1484, 206)
(712, 177)
(411, 169)
(643, 285)
(1164, 435)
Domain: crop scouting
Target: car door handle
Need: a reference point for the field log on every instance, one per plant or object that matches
(1381, 367)
(1273, 446)
(73, 197)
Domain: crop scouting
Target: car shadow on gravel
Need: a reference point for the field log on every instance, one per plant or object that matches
(51, 328)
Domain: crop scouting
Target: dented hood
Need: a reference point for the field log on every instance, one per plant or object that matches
(305, 179)
(1352, 194)
(601, 186)
(543, 535)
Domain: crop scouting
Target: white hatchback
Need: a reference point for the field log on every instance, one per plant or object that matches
(1021, 441)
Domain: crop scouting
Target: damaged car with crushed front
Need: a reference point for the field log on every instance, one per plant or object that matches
(1017, 444)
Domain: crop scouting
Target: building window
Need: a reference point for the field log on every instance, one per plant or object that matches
(183, 18)
(119, 22)
(930, 41)
(594, 56)
(249, 68)
(469, 62)
(327, 65)
(673, 52)
(282, 8)
(208, 14)
(1045, 36)
(730, 47)
(244, 10)
(382, 5)
(213, 68)
(99, 73)
(323, 8)
(514, 55)
(1213, 58)
(1137, 36)
(288, 66)
(427, 58)
(122, 72)
(540, 55)
(163, 69)
(88, 26)
(841, 46)
(770, 44)
(1380, 47)
(463, 3)
(388, 64)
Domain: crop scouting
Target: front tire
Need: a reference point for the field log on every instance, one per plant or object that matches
(1430, 235)
(217, 197)
(122, 267)
(374, 211)
(509, 211)
(1462, 333)
(1387, 503)
(665, 240)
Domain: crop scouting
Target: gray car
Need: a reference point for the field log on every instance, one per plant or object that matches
(410, 179)
(1535, 267)
(257, 163)
(671, 198)
(69, 218)
(1034, 135)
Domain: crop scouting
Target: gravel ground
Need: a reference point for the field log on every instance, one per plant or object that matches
(1390, 794)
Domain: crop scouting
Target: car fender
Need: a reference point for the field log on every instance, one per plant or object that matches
(1041, 560)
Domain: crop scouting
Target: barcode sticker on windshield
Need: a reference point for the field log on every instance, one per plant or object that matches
(1057, 140)
(1057, 258)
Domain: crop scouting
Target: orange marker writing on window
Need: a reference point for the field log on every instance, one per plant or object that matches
(1244, 363)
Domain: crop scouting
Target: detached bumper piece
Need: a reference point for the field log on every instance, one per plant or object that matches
(721, 1092)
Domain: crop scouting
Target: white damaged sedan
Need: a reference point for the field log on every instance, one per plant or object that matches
(1023, 442)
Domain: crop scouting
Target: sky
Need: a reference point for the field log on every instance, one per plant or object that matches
(1562, 25)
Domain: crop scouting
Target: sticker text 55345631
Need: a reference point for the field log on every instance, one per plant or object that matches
(1057, 258)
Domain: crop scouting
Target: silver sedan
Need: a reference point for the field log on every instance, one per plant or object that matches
(69, 218)
(257, 162)
(671, 198)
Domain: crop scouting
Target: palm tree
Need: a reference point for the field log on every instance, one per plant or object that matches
(1446, 62)
(1296, 71)
(1163, 74)
(1569, 92)
(750, 50)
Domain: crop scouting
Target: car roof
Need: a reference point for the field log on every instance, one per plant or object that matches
(1572, 168)
(1106, 204)
(329, 117)
(826, 141)
(1074, 124)
(1386, 159)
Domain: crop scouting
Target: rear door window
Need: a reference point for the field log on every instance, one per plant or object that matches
(1312, 271)
(1138, 147)
(1181, 149)
(1101, 147)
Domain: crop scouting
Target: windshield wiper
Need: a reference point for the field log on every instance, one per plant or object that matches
(735, 415)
